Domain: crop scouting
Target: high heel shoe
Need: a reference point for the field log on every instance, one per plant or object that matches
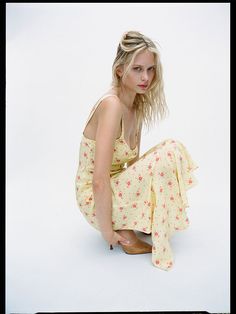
(138, 247)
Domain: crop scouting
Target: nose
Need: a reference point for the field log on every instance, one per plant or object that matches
(144, 76)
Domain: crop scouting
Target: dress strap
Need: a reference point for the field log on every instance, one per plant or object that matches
(122, 127)
(96, 105)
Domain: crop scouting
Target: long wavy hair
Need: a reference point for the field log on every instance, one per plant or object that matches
(150, 106)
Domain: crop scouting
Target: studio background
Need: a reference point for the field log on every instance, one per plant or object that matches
(58, 63)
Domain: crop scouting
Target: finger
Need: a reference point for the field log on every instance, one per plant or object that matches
(124, 240)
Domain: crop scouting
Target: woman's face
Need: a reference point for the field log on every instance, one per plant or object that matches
(141, 73)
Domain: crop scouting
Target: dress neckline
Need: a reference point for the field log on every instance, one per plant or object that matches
(122, 124)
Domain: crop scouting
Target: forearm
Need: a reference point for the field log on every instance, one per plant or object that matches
(103, 205)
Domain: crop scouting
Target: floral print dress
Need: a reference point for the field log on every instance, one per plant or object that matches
(148, 196)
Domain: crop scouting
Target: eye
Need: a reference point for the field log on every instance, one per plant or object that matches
(137, 69)
(151, 69)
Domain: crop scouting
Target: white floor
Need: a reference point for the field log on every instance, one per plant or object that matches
(57, 262)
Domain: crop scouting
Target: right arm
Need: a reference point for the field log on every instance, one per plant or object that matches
(109, 116)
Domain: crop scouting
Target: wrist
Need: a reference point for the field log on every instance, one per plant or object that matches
(107, 234)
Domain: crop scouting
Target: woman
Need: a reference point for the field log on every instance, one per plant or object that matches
(117, 191)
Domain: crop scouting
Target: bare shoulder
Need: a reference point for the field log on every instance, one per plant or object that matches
(110, 105)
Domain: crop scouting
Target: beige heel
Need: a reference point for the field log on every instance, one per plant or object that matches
(139, 247)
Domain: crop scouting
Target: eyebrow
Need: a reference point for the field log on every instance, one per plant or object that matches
(139, 65)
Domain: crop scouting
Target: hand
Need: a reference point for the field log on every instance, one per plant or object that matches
(114, 238)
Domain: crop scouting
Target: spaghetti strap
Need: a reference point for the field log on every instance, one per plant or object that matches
(95, 107)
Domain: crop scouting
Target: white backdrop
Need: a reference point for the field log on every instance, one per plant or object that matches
(58, 62)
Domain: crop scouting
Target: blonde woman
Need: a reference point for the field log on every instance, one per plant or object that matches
(118, 191)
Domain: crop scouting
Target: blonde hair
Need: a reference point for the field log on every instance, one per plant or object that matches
(150, 106)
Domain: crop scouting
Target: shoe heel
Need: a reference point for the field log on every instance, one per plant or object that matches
(111, 247)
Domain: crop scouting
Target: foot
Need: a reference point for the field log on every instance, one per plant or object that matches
(136, 245)
(129, 235)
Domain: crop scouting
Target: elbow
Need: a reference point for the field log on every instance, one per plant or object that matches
(99, 184)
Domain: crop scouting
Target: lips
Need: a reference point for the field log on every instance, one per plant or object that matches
(143, 86)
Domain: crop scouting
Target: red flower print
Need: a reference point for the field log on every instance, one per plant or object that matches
(134, 205)
(90, 198)
(157, 159)
(149, 204)
(143, 215)
(161, 189)
(113, 222)
(164, 205)
(157, 262)
(78, 177)
(128, 183)
(190, 181)
(137, 193)
(144, 229)
(162, 174)
(187, 220)
(150, 166)
(140, 178)
(114, 149)
(93, 214)
(135, 223)
(117, 182)
(172, 198)
(156, 234)
(92, 161)
(85, 155)
(180, 209)
(151, 174)
(121, 208)
(170, 183)
(169, 154)
(124, 217)
(120, 194)
(177, 217)
(86, 144)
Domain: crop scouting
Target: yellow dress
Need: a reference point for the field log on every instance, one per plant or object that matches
(148, 196)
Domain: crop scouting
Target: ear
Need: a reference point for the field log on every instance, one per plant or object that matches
(119, 71)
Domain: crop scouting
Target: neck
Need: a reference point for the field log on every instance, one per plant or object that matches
(127, 97)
